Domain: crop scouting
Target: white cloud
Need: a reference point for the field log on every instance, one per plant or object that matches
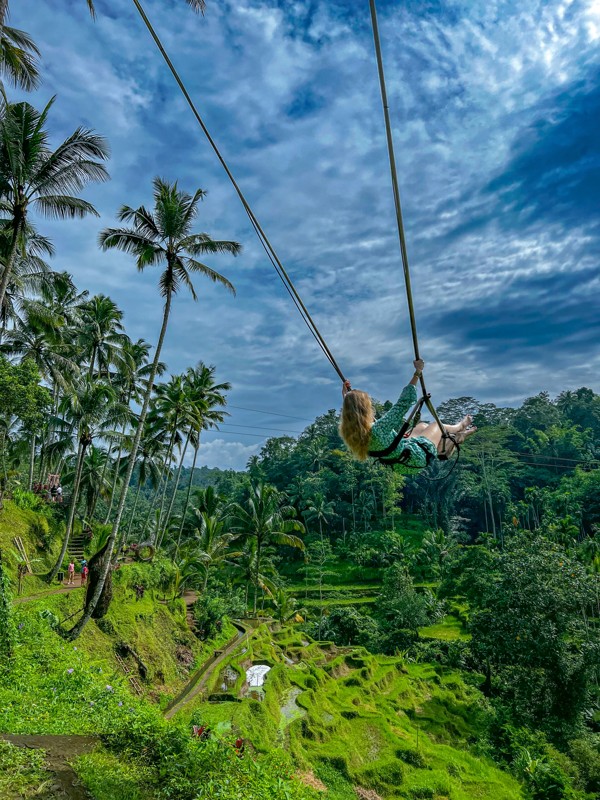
(226, 455)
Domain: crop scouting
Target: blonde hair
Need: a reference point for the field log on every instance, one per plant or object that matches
(355, 423)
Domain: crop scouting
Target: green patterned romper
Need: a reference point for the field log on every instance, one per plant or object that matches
(386, 428)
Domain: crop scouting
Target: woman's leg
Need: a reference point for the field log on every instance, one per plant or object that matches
(418, 430)
(445, 446)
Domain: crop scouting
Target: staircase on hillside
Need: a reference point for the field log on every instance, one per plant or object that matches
(76, 547)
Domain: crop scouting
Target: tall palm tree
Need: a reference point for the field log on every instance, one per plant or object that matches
(150, 457)
(93, 483)
(321, 510)
(171, 411)
(207, 399)
(162, 237)
(91, 408)
(130, 382)
(32, 175)
(264, 519)
(101, 335)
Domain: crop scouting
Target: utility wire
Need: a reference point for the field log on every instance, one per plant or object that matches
(274, 413)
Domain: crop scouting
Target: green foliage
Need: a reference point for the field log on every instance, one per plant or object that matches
(348, 626)
(21, 394)
(7, 626)
(107, 777)
(211, 609)
(29, 501)
(585, 753)
(530, 630)
(401, 608)
(22, 772)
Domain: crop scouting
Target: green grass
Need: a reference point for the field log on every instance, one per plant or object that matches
(314, 602)
(299, 589)
(22, 772)
(450, 628)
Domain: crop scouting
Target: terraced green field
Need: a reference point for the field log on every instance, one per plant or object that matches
(356, 720)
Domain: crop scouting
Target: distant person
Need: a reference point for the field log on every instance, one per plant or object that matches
(365, 436)
(71, 573)
(59, 493)
(54, 493)
(84, 574)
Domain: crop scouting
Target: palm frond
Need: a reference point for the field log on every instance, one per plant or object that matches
(199, 6)
(18, 58)
(196, 266)
(201, 243)
(64, 207)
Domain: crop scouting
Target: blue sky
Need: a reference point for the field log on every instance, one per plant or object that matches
(496, 112)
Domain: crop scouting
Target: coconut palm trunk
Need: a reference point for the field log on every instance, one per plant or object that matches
(93, 601)
(156, 532)
(135, 503)
(83, 443)
(172, 501)
(187, 497)
(10, 259)
(115, 483)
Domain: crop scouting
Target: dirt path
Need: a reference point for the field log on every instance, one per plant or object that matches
(40, 596)
(59, 751)
(200, 678)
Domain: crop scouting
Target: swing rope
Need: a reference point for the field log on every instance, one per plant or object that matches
(266, 244)
(399, 222)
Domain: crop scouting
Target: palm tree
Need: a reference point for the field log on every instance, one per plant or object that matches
(130, 382)
(265, 520)
(93, 483)
(34, 176)
(171, 412)
(213, 543)
(31, 274)
(91, 408)
(162, 237)
(150, 457)
(101, 334)
(208, 398)
(18, 58)
(321, 510)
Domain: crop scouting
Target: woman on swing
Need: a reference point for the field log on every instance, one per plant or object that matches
(364, 435)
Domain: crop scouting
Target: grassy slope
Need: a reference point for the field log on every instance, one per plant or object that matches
(30, 526)
(157, 632)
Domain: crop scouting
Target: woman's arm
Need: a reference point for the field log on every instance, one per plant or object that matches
(393, 419)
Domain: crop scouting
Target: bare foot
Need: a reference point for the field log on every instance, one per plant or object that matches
(464, 434)
(466, 422)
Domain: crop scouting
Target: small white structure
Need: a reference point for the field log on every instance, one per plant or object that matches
(256, 674)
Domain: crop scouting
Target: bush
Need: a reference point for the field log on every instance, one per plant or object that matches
(586, 755)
